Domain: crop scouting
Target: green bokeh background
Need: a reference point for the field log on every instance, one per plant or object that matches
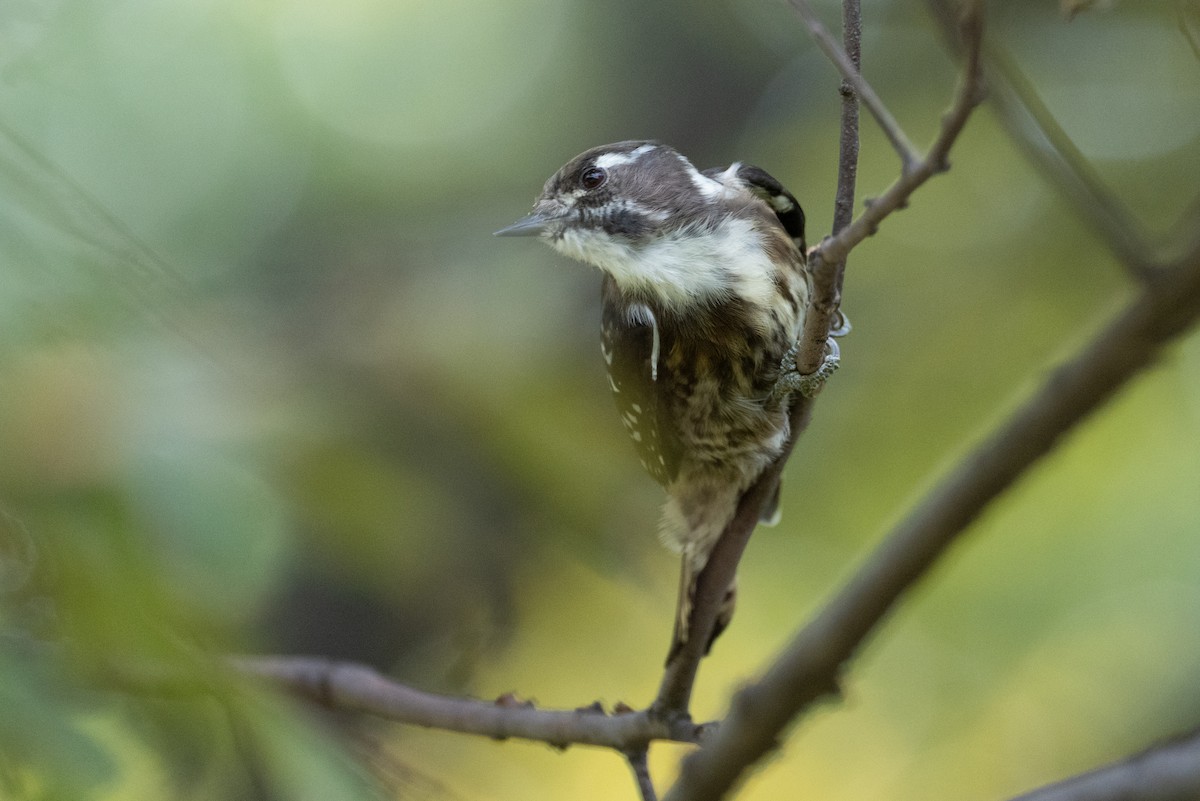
(268, 384)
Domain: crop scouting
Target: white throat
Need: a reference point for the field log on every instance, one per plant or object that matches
(682, 267)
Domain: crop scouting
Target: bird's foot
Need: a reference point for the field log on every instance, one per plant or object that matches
(807, 384)
(841, 324)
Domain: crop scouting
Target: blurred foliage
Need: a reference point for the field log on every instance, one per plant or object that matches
(270, 385)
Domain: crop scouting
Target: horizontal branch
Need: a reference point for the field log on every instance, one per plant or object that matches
(1168, 772)
(359, 688)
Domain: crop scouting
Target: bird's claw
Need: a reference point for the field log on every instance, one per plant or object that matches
(841, 324)
(807, 384)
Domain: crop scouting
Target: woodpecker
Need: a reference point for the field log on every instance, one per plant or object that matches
(704, 293)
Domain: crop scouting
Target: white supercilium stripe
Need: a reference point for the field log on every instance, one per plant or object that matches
(607, 161)
(709, 187)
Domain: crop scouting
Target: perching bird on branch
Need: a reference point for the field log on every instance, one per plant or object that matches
(703, 301)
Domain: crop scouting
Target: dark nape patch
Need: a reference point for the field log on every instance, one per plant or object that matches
(781, 201)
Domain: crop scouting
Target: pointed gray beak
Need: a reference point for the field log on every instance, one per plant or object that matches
(531, 225)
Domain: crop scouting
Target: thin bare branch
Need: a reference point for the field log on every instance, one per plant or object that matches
(1033, 127)
(810, 666)
(1168, 772)
(641, 774)
(1185, 27)
(843, 204)
(359, 688)
(833, 250)
(848, 67)
(675, 690)
(970, 93)
(1031, 124)
(825, 268)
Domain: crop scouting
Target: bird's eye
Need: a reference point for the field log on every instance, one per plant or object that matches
(592, 178)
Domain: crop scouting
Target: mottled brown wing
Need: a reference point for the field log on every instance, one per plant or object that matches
(791, 216)
(632, 343)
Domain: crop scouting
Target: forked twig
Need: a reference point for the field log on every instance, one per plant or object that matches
(848, 66)
(760, 712)
(970, 94)
(833, 250)
(825, 263)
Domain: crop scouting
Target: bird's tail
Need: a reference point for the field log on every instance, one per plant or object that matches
(688, 573)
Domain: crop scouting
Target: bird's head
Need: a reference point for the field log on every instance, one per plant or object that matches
(642, 213)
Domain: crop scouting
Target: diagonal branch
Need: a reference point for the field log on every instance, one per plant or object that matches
(1035, 130)
(1167, 772)
(811, 664)
(1031, 124)
(1185, 27)
(675, 689)
(825, 265)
